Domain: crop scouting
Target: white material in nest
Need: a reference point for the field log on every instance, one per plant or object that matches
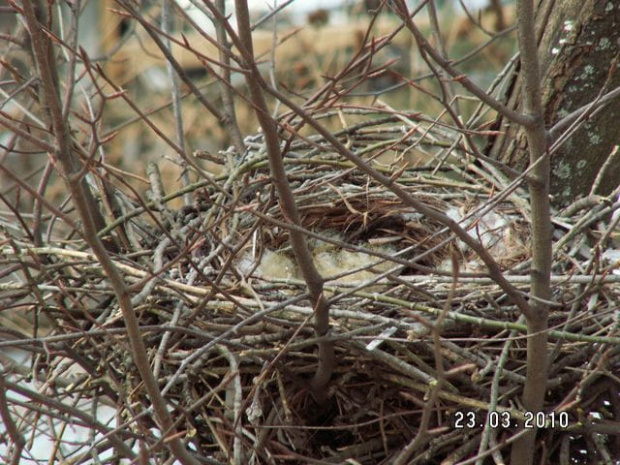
(490, 229)
(612, 256)
(277, 265)
(334, 262)
(272, 265)
(493, 230)
(329, 259)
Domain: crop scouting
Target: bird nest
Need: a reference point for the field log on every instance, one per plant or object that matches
(227, 319)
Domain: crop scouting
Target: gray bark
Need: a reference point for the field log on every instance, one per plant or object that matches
(579, 43)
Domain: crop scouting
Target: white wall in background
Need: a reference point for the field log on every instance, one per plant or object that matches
(299, 9)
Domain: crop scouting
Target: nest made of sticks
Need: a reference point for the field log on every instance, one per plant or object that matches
(232, 341)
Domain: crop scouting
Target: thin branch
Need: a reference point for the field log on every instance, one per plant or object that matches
(583, 113)
(42, 47)
(228, 101)
(166, 26)
(423, 44)
(541, 242)
(173, 62)
(422, 437)
(50, 93)
(11, 427)
(72, 412)
(302, 254)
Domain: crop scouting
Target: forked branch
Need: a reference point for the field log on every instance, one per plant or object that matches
(73, 174)
(313, 279)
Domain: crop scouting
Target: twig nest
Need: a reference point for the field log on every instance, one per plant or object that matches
(225, 313)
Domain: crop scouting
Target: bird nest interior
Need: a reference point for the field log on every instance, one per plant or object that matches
(430, 350)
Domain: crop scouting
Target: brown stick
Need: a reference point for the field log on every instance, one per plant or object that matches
(313, 279)
(72, 173)
(540, 282)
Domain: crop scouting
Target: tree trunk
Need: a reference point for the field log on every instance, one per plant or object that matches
(578, 52)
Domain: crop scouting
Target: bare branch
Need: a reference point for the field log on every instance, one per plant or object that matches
(541, 243)
(64, 154)
(327, 360)
(467, 83)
